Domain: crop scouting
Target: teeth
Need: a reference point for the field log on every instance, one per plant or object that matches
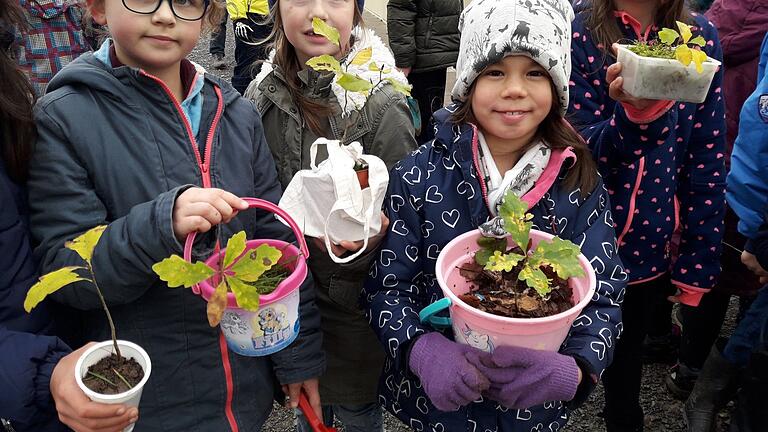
(514, 112)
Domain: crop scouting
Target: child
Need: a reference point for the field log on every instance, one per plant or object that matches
(663, 166)
(135, 137)
(506, 132)
(297, 106)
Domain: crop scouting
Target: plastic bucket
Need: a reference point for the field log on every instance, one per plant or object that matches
(664, 79)
(104, 349)
(487, 331)
(276, 324)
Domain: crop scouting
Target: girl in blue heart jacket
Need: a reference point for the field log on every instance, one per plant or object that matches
(663, 165)
(505, 132)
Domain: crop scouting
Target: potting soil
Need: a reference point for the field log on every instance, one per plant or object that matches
(103, 376)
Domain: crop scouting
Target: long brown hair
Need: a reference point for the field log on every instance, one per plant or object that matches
(312, 111)
(605, 31)
(558, 134)
(17, 128)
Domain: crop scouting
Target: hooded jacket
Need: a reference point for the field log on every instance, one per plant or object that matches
(385, 129)
(116, 147)
(663, 169)
(434, 196)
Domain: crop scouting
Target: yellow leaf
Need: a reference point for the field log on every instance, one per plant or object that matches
(373, 67)
(698, 40)
(699, 57)
(536, 279)
(399, 87)
(324, 62)
(50, 283)
(247, 296)
(86, 242)
(176, 271)
(683, 54)
(353, 83)
(668, 36)
(217, 304)
(685, 31)
(320, 27)
(255, 262)
(362, 57)
(235, 247)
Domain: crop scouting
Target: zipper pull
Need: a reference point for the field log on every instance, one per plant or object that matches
(204, 168)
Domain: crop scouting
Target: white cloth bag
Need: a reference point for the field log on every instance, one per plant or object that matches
(327, 201)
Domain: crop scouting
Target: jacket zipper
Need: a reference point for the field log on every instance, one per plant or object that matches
(632, 198)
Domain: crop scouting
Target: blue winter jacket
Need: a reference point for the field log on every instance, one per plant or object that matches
(747, 181)
(663, 168)
(27, 355)
(434, 195)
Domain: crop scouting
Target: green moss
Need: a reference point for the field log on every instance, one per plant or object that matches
(657, 50)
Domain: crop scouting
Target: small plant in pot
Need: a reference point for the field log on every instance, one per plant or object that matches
(109, 372)
(251, 286)
(523, 289)
(674, 67)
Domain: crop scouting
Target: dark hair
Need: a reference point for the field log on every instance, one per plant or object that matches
(211, 20)
(17, 128)
(605, 31)
(313, 111)
(558, 134)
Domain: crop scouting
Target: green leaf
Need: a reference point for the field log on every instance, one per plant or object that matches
(489, 245)
(177, 272)
(373, 67)
(86, 242)
(668, 36)
(217, 303)
(324, 62)
(685, 31)
(353, 83)
(699, 57)
(503, 262)
(362, 57)
(235, 247)
(320, 27)
(683, 54)
(246, 295)
(698, 40)
(561, 255)
(49, 284)
(513, 212)
(399, 86)
(536, 279)
(255, 262)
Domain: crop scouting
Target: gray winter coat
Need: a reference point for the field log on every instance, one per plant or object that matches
(385, 129)
(424, 34)
(114, 149)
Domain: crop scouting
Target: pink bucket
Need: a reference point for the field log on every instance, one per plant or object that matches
(487, 331)
(276, 324)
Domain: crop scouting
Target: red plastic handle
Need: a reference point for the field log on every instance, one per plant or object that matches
(264, 205)
(315, 422)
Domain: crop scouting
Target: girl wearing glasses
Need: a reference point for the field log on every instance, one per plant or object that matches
(136, 137)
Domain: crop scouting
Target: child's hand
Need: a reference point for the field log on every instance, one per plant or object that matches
(750, 261)
(198, 210)
(616, 88)
(346, 246)
(311, 388)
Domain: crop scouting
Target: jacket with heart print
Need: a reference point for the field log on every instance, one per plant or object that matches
(435, 195)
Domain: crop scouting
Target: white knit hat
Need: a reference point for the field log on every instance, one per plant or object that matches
(494, 29)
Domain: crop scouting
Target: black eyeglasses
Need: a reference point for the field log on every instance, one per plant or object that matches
(187, 10)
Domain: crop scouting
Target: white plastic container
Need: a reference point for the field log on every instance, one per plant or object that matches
(663, 79)
(103, 349)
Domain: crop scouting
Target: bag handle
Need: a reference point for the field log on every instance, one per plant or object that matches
(366, 232)
(331, 145)
(427, 315)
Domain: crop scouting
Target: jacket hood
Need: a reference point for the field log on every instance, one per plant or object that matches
(381, 56)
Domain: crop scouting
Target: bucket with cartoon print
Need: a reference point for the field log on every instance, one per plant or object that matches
(276, 323)
(486, 331)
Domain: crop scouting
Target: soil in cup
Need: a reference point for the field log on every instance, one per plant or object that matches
(113, 375)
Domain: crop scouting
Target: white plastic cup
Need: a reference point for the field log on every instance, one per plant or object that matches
(104, 349)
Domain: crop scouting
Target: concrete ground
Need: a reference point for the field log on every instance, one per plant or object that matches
(663, 414)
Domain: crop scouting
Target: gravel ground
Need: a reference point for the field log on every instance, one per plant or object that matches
(662, 412)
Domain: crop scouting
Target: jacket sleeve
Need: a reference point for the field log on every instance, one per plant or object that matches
(65, 204)
(239, 9)
(739, 24)
(304, 358)
(401, 28)
(26, 366)
(395, 291)
(701, 193)
(393, 127)
(612, 136)
(592, 337)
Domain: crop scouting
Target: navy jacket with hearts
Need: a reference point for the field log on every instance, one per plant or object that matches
(434, 195)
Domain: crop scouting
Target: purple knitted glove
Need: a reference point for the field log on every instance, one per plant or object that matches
(521, 377)
(446, 371)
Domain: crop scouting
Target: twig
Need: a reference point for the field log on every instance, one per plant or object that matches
(121, 378)
(103, 378)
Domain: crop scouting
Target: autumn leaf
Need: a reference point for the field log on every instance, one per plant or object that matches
(683, 54)
(50, 283)
(86, 242)
(362, 57)
(503, 262)
(255, 262)
(247, 296)
(353, 83)
(235, 247)
(668, 36)
(320, 27)
(399, 86)
(489, 245)
(685, 31)
(373, 67)
(699, 57)
(698, 40)
(536, 279)
(217, 303)
(177, 272)
(324, 62)
(513, 212)
(561, 255)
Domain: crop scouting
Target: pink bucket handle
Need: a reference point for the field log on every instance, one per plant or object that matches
(264, 205)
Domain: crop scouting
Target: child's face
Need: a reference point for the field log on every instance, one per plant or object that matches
(297, 24)
(510, 99)
(154, 42)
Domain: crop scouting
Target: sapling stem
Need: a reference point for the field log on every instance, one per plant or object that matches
(106, 309)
